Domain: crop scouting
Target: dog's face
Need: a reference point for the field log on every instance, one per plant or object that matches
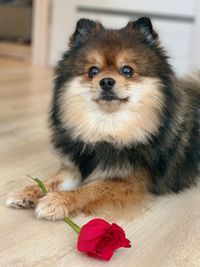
(111, 83)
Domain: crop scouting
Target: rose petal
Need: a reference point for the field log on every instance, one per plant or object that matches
(104, 248)
(106, 255)
(104, 243)
(119, 238)
(93, 229)
(91, 233)
(88, 245)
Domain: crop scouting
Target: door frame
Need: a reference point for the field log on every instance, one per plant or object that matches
(41, 32)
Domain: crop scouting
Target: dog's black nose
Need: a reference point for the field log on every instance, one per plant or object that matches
(107, 84)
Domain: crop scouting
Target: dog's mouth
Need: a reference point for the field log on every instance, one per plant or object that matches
(108, 97)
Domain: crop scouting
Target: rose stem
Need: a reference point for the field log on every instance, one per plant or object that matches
(40, 183)
(74, 226)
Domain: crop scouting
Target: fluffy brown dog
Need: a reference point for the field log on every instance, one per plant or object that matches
(121, 122)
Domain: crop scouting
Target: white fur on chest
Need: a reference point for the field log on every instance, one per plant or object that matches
(69, 184)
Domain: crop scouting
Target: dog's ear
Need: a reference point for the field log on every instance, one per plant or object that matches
(83, 28)
(144, 26)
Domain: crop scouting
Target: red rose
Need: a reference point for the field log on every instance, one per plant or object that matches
(99, 239)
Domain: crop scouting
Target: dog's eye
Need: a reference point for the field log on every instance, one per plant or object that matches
(126, 71)
(93, 71)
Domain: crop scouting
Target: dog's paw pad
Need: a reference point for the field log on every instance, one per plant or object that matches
(20, 200)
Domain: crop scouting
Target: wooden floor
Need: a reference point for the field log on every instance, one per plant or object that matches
(165, 234)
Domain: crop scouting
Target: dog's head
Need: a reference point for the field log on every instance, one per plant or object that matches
(109, 84)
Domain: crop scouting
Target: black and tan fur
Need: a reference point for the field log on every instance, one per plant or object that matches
(148, 140)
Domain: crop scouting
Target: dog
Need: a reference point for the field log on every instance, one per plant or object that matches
(122, 123)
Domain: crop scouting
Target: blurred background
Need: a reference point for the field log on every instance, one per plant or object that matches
(37, 31)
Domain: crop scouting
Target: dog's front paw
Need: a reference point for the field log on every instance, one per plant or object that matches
(23, 199)
(55, 205)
